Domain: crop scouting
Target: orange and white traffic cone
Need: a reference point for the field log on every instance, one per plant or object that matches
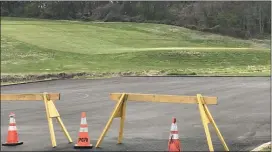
(83, 137)
(12, 138)
(174, 144)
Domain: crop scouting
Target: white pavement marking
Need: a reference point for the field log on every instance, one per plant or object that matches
(259, 148)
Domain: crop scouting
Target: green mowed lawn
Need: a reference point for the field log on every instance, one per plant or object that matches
(30, 46)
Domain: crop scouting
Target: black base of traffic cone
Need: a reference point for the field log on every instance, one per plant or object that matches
(83, 147)
(12, 144)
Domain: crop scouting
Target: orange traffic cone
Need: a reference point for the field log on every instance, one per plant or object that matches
(174, 143)
(83, 139)
(12, 138)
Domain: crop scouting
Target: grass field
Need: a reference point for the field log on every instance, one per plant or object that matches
(30, 46)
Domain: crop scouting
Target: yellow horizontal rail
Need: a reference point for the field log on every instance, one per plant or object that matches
(29, 97)
(163, 98)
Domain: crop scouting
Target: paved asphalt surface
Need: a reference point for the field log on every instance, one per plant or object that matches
(242, 113)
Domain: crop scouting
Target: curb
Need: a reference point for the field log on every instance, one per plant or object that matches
(259, 148)
(193, 76)
(28, 82)
(54, 79)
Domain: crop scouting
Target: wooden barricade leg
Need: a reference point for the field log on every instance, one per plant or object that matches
(50, 123)
(117, 112)
(64, 130)
(209, 115)
(205, 122)
(207, 118)
(52, 112)
(122, 120)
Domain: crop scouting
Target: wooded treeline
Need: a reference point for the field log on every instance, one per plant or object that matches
(234, 18)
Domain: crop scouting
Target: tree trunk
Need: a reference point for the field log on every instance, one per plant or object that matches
(260, 19)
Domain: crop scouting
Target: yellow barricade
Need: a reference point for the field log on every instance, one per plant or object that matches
(206, 117)
(51, 110)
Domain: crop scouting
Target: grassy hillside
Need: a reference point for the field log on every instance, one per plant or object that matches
(30, 46)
